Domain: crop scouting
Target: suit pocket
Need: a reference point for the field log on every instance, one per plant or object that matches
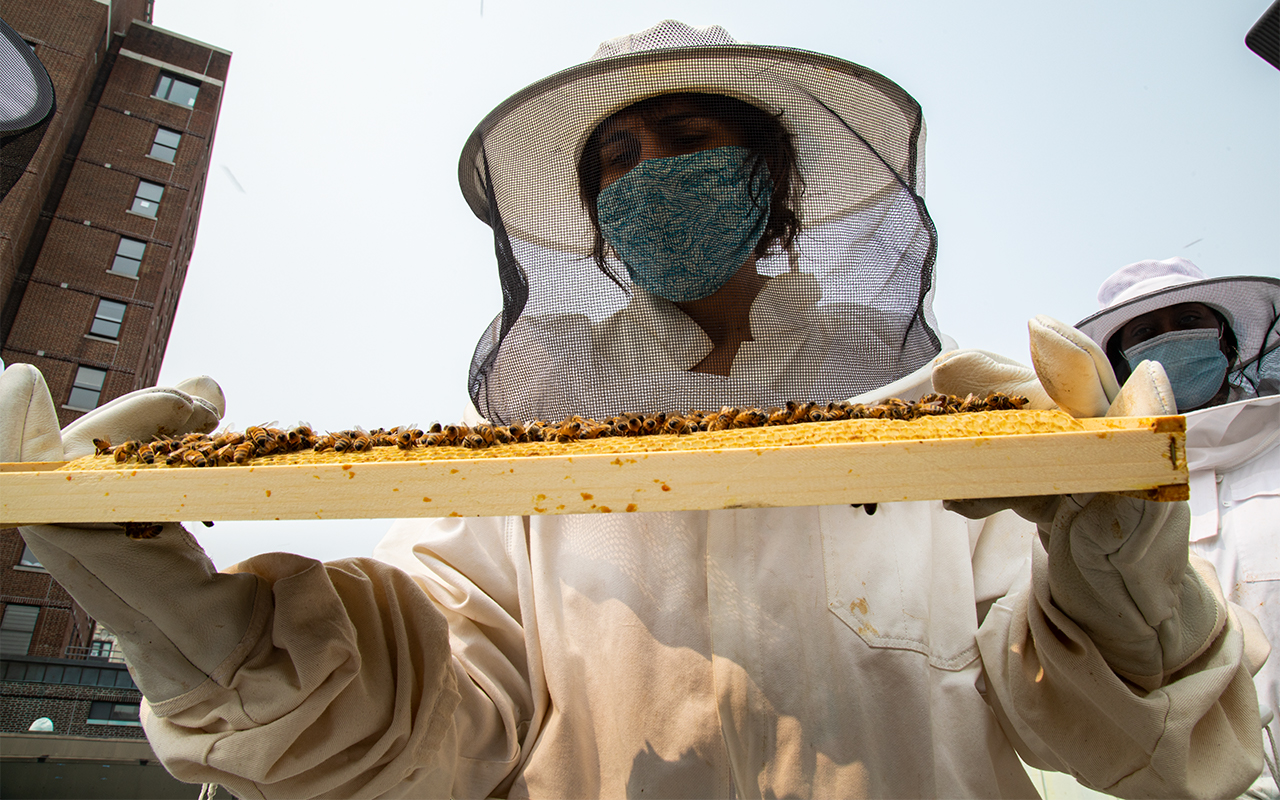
(902, 579)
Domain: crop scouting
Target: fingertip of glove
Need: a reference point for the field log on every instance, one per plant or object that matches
(202, 387)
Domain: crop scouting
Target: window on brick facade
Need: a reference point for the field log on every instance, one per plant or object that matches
(165, 146)
(108, 319)
(16, 629)
(128, 260)
(104, 713)
(29, 559)
(146, 201)
(177, 90)
(86, 388)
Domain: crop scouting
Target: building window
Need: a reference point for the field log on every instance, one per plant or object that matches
(16, 628)
(86, 388)
(146, 201)
(128, 259)
(104, 713)
(177, 90)
(107, 319)
(29, 559)
(165, 146)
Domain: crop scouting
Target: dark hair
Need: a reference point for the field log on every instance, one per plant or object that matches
(764, 136)
(1231, 347)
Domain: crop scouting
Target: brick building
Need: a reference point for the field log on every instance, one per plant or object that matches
(95, 238)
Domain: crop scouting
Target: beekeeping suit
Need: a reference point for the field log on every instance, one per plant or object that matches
(900, 650)
(1233, 439)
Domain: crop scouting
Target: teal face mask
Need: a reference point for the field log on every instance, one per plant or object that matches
(1193, 360)
(684, 225)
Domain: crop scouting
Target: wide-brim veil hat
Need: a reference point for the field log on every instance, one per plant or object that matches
(848, 304)
(1249, 303)
(848, 123)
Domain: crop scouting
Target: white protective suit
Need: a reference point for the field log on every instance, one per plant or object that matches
(754, 653)
(1233, 452)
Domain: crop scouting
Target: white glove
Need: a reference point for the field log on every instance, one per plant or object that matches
(1071, 372)
(1116, 565)
(178, 619)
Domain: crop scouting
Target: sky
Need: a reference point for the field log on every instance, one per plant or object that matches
(339, 278)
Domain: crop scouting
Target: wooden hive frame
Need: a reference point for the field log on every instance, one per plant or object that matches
(986, 454)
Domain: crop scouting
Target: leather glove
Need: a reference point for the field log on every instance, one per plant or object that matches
(1116, 565)
(178, 620)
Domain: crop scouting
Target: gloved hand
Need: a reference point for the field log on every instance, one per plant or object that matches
(1071, 372)
(178, 620)
(1116, 565)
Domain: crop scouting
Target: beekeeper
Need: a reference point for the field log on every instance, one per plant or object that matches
(904, 650)
(1218, 340)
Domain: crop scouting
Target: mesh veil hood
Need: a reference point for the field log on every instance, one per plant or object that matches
(848, 309)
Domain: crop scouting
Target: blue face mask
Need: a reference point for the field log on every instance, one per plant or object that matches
(684, 225)
(1193, 360)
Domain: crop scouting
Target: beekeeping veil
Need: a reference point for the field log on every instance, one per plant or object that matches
(846, 310)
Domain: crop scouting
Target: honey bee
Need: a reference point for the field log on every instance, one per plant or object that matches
(195, 458)
(259, 436)
(568, 430)
(126, 451)
(147, 454)
(360, 441)
(224, 455)
(243, 452)
(142, 530)
(300, 437)
(175, 456)
(102, 446)
(677, 425)
(407, 438)
(452, 435)
(341, 442)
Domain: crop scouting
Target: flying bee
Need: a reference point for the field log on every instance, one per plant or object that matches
(102, 446)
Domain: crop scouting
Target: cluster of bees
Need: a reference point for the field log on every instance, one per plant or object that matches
(222, 449)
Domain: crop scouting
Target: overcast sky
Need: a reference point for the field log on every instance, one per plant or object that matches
(340, 279)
